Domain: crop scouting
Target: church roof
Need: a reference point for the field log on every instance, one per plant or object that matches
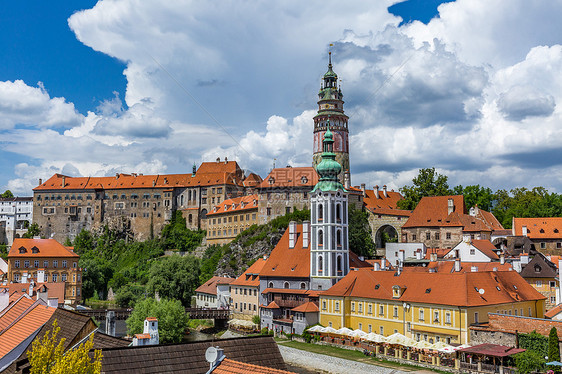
(288, 262)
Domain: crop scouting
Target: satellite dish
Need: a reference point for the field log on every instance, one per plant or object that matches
(481, 291)
(211, 354)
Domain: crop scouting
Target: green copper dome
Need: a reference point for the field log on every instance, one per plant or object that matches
(328, 168)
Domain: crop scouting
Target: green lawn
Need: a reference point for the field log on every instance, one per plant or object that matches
(347, 354)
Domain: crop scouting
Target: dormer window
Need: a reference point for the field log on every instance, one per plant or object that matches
(34, 250)
(271, 180)
(22, 250)
(233, 206)
(537, 269)
(397, 291)
(542, 231)
(556, 231)
(225, 207)
(304, 180)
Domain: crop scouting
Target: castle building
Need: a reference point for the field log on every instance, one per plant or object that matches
(230, 218)
(16, 215)
(330, 110)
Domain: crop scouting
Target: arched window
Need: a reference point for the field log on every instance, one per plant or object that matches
(190, 218)
(203, 213)
(303, 286)
(320, 265)
(320, 212)
(338, 238)
(339, 266)
(270, 285)
(181, 200)
(286, 285)
(320, 238)
(189, 195)
(338, 213)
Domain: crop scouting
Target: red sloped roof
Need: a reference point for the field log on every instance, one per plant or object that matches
(252, 180)
(228, 366)
(46, 248)
(288, 262)
(291, 177)
(210, 286)
(539, 228)
(458, 289)
(486, 247)
(251, 276)
(553, 311)
(238, 204)
(384, 204)
(272, 305)
(308, 307)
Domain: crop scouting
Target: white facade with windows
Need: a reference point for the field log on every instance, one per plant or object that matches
(16, 215)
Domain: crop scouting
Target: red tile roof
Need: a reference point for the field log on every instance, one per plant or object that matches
(25, 324)
(493, 350)
(44, 248)
(54, 290)
(250, 277)
(458, 289)
(272, 305)
(252, 180)
(288, 262)
(539, 228)
(210, 286)
(238, 204)
(228, 366)
(308, 307)
(433, 212)
(14, 310)
(291, 177)
(523, 325)
(553, 311)
(486, 247)
(449, 266)
(209, 173)
(356, 262)
(384, 204)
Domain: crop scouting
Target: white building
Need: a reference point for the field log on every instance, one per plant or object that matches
(214, 293)
(474, 251)
(16, 215)
(396, 252)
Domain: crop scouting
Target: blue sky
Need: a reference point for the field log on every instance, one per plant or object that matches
(118, 86)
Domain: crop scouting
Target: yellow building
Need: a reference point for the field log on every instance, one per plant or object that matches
(46, 261)
(230, 218)
(244, 292)
(426, 306)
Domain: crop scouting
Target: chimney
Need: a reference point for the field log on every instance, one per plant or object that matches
(225, 160)
(346, 180)
(110, 322)
(40, 181)
(154, 183)
(419, 254)
(502, 258)
(433, 256)
(401, 256)
(63, 181)
(41, 276)
(43, 294)
(457, 265)
(292, 234)
(31, 287)
(384, 191)
(265, 257)
(450, 206)
(4, 298)
(524, 230)
(363, 188)
(377, 266)
(24, 278)
(218, 159)
(376, 191)
(524, 258)
(383, 263)
(116, 175)
(305, 233)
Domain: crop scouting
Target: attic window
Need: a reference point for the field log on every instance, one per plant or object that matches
(377, 286)
(427, 290)
(34, 250)
(542, 231)
(498, 288)
(22, 250)
(271, 180)
(528, 231)
(476, 289)
(537, 269)
(556, 231)
(304, 180)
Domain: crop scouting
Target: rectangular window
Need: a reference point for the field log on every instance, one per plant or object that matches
(414, 237)
(360, 326)
(337, 306)
(427, 235)
(448, 235)
(382, 330)
(360, 307)
(45, 263)
(421, 316)
(36, 263)
(370, 327)
(552, 284)
(370, 309)
(323, 305)
(353, 307)
(436, 316)
(64, 263)
(476, 316)
(26, 264)
(436, 236)
(543, 245)
(552, 300)
(448, 318)
(539, 283)
(408, 326)
(55, 263)
(17, 263)
(395, 314)
(381, 310)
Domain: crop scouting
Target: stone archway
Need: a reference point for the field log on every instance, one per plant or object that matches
(381, 238)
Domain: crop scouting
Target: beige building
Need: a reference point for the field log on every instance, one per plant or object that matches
(443, 222)
(46, 260)
(244, 292)
(545, 232)
(230, 218)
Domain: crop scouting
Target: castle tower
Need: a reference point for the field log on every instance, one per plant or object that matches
(330, 108)
(329, 251)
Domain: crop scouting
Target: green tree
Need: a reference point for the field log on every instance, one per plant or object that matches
(95, 276)
(172, 318)
(360, 234)
(83, 242)
(174, 277)
(176, 235)
(476, 195)
(427, 183)
(47, 356)
(529, 361)
(32, 231)
(210, 261)
(7, 194)
(128, 295)
(553, 347)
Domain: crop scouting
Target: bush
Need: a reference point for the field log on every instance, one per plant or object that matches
(264, 331)
(306, 336)
(257, 320)
(529, 361)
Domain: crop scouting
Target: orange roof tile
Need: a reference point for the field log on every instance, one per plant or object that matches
(308, 307)
(272, 305)
(54, 290)
(384, 204)
(486, 247)
(238, 204)
(250, 277)
(39, 248)
(14, 310)
(539, 228)
(142, 336)
(228, 366)
(458, 289)
(449, 266)
(210, 286)
(291, 177)
(29, 322)
(553, 311)
(356, 262)
(252, 180)
(288, 262)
